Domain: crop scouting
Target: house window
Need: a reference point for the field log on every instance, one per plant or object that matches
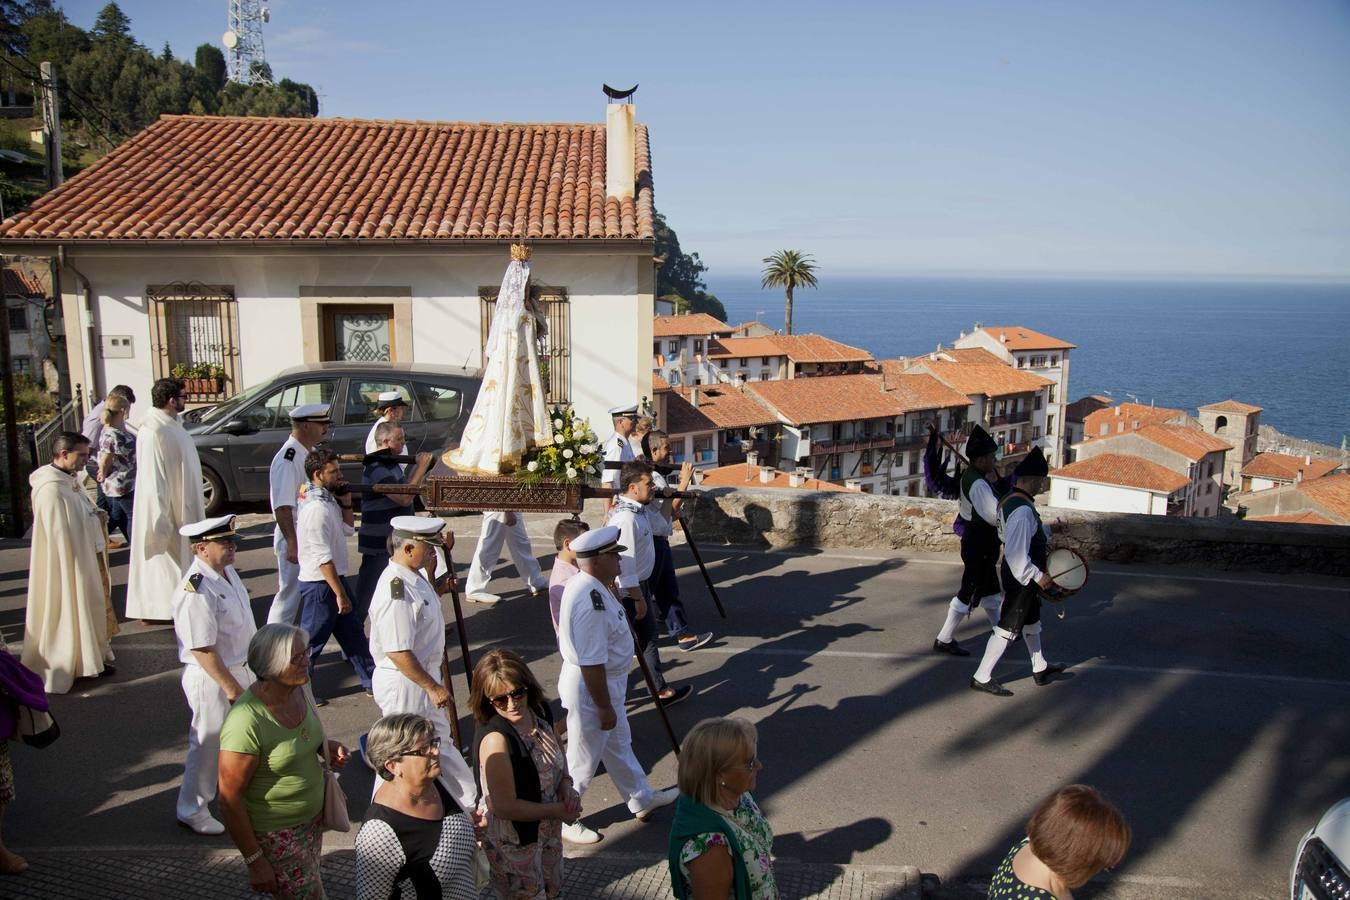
(703, 449)
(743, 361)
(1036, 404)
(914, 462)
(673, 347)
(1054, 362)
(1038, 362)
(1073, 493)
(1049, 424)
(18, 318)
(194, 330)
(763, 374)
(763, 360)
(23, 365)
(1050, 394)
(698, 345)
(1021, 362)
(656, 349)
(358, 333)
(1036, 433)
(722, 363)
(555, 350)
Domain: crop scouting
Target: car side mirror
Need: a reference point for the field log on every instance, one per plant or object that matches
(238, 427)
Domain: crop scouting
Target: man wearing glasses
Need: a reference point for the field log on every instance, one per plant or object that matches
(213, 623)
(407, 642)
(168, 496)
(309, 424)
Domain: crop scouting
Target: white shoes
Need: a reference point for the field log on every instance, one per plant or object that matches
(578, 833)
(203, 823)
(658, 800)
(484, 598)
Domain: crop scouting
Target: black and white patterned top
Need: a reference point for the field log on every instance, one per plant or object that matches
(401, 857)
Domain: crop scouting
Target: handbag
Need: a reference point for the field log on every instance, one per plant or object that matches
(335, 816)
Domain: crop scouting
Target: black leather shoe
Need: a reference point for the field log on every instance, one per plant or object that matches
(991, 687)
(1043, 677)
(950, 647)
(108, 671)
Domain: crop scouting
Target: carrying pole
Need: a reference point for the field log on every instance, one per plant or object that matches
(651, 681)
(698, 558)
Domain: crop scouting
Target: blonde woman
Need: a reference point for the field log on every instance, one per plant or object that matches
(116, 452)
(720, 842)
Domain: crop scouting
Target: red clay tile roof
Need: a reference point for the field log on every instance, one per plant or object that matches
(918, 391)
(829, 398)
(1131, 417)
(1126, 471)
(208, 178)
(681, 418)
(1332, 493)
(1020, 338)
(692, 324)
(1283, 467)
(813, 348)
(976, 355)
(1233, 406)
(659, 383)
(731, 348)
(990, 380)
(1081, 408)
(729, 407)
(19, 283)
(1191, 443)
(1302, 518)
(742, 475)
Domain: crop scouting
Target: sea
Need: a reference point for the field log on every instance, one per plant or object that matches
(1280, 345)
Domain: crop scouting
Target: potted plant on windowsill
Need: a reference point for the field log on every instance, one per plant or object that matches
(200, 378)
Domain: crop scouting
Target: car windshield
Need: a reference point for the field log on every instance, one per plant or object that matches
(223, 411)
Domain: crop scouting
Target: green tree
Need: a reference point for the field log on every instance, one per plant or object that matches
(681, 275)
(51, 37)
(167, 54)
(211, 67)
(788, 269)
(112, 25)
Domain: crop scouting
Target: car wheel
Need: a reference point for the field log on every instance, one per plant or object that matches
(213, 492)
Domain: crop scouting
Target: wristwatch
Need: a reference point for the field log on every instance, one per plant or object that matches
(253, 857)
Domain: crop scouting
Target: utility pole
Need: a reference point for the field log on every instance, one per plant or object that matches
(51, 126)
(16, 490)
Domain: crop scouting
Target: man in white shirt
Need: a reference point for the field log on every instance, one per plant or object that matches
(502, 528)
(324, 524)
(663, 584)
(1026, 545)
(213, 623)
(616, 449)
(407, 642)
(636, 563)
(309, 424)
(596, 646)
(392, 408)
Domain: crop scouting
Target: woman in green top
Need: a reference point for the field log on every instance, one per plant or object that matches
(720, 843)
(1074, 834)
(271, 780)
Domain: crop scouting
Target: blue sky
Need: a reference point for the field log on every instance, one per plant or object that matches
(1142, 138)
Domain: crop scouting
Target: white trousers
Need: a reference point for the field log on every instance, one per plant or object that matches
(209, 707)
(490, 540)
(588, 745)
(286, 604)
(395, 694)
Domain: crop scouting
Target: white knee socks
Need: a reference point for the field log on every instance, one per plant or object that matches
(1038, 663)
(993, 651)
(956, 611)
(992, 606)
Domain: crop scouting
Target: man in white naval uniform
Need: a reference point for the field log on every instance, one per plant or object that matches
(616, 449)
(213, 623)
(392, 407)
(309, 424)
(502, 528)
(597, 645)
(407, 641)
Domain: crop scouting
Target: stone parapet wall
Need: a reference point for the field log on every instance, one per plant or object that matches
(778, 518)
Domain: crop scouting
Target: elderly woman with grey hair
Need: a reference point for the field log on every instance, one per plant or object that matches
(416, 841)
(271, 778)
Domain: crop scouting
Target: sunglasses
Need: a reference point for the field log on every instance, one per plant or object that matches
(501, 700)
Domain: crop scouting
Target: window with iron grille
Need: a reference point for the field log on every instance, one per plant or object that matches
(194, 335)
(555, 349)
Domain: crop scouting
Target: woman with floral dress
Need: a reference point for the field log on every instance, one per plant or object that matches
(1074, 834)
(720, 842)
(522, 772)
(117, 464)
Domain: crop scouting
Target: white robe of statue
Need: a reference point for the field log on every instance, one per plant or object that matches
(510, 415)
(168, 496)
(66, 625)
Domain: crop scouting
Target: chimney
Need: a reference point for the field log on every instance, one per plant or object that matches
(1307, 460)
(795, 479)
(749, 470)
(620, 151)
(765, 475)
(1298, 476)
(1003, 337)
(752, 458)
(1117, 410)
(693, 395)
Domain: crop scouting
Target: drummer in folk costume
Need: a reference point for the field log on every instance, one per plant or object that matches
(978, 510)
(407, 641)
(213, 623)
(1026, 547)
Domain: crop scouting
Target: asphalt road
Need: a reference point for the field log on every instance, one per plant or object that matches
(1213, 706)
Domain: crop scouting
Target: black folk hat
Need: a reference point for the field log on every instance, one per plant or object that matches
(979, 443)
(1033, 465)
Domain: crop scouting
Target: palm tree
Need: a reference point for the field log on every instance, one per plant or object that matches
(789, 269)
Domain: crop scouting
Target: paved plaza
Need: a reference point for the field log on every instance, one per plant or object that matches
(1213, 706)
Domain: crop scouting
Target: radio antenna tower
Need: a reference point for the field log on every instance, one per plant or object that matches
(243, 40)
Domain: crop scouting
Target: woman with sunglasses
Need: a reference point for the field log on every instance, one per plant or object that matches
(720, 842)
(522, 771)
(416, 841)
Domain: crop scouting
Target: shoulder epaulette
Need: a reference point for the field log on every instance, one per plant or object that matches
(597, 601)
(396, 588)
(194, 583)
(290, 453)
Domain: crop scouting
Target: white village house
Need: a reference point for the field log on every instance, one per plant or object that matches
(256, 244)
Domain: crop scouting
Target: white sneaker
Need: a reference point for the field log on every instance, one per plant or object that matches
(484, 598)
(658, 800)
(578, 833)
(203, 823)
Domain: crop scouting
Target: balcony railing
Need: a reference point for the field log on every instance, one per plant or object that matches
(854, 445)
(1012, 418)
(731, 453)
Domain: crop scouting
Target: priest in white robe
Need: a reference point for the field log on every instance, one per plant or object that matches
(168, 496)
(65, 634)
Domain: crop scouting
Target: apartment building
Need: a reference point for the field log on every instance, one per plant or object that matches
(742, 424)
(1271, 470)
(1115, 482)
(1187, 451)
(1011, 404)
(1322, 501)
(680, 347)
